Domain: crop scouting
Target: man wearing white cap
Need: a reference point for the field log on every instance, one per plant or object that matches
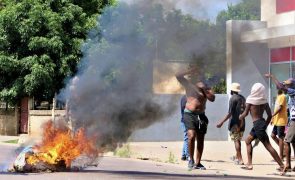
(256, 104)
(236, 107)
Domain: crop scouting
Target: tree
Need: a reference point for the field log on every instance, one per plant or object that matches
(245, 10)
(40, 44)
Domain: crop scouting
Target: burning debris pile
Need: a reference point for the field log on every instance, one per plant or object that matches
(59, 148)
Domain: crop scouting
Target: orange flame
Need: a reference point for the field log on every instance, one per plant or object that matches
(60, 144)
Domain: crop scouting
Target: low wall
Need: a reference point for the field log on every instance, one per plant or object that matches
(166, 129)
(169, 129)
(8, 122)
(39, 117)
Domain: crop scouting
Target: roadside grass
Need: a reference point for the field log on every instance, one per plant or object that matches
(171, 158)
(14, 141)
(123, 152)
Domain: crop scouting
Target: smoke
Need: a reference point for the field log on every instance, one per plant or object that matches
(199, 9)
(111, 96)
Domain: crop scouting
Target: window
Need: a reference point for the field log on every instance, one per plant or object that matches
(281, 71)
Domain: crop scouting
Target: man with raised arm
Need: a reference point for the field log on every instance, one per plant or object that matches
(256, 104)
(288, 86)
(194, 117)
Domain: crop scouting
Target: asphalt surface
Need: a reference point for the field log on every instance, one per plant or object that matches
(112, 168)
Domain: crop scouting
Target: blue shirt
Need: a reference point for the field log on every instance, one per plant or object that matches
(182, 105)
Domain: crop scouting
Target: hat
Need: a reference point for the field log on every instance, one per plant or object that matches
(235, 87)
(288, 81)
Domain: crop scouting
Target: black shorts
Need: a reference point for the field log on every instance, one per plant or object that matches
(279, 131)
(258, 130)
(195, 121)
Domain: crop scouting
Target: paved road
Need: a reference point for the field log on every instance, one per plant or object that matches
(113, 168)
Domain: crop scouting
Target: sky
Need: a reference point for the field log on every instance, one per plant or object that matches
(199, 9)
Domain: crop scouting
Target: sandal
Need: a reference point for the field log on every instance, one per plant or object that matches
(285, 169)
(247, 168)
(200, 166)
(237, 162)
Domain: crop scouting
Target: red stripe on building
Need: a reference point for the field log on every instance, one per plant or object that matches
(293, 53)
(285, 6)
(280, 54)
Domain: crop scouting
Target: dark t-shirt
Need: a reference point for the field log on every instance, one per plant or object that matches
(236, 107)
(182, 106)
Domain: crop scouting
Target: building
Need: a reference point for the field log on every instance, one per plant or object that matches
(257, 47)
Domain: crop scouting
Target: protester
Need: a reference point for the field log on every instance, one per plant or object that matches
(279, 120)
(194, 117)
(287, 126)
(185, 154)
(236, 107)
(256, 104)
(289, 87)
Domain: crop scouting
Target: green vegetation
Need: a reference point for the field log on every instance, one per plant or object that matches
(123, 152)
(41, 44)
(171, 158)
(40, 40)
(14, 141)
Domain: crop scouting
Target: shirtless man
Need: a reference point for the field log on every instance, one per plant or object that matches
(194, 118)
(256, 104)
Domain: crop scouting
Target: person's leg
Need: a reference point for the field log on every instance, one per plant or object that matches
(274, 135)
(238, 150)
(288, 155)
(290, 138)
(281, 147)
(281, 134)
(293, 145)
(272, 151)
(191, 142)
(200, 147)
(275, 139)
(185, 140)
(248, 142)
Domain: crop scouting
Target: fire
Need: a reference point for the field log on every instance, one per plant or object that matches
(60, 144)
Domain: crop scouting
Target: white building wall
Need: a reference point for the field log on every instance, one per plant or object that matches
(268, 14)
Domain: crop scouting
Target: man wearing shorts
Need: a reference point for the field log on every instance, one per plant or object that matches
(194, 117)
(279, 120)
(289, 87)
(256, 105)
(236, 107)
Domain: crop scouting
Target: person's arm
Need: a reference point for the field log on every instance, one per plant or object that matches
(244, 114)
(210, 95)
(223, 120)
(228, 115)
(277, 110)
(268, 112)
(184, 82)
(276, 81)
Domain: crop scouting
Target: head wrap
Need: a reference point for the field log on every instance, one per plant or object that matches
(258, 95)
